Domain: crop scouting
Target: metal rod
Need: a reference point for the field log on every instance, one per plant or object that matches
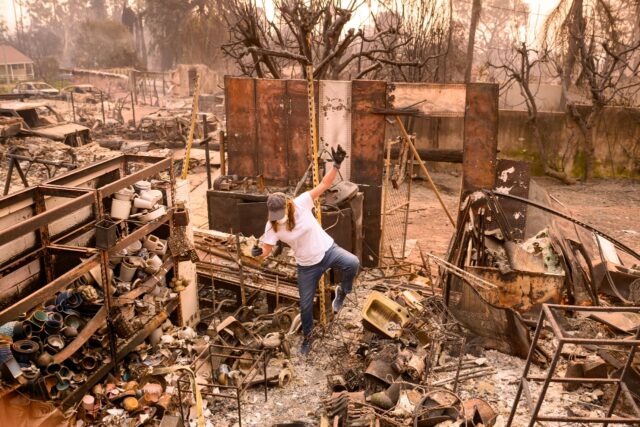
(21, 174)
(42, 161)
(104, 120)
(73, 107)
(133, 109)
(463, 274)
(457, 377)
(405, 135)
(205, 133)
(192, 128)
(7, 181)
(264, 372)
(316, 173)
(243, 294)
(406, 213)
(627, 366)
(547, 382)
(525, 373)
(223, 149)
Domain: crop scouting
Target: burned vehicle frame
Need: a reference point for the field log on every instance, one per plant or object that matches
(34, 123)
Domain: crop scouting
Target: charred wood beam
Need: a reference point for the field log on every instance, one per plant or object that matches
(433, 154)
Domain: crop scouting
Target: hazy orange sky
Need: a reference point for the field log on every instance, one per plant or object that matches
(536, 6)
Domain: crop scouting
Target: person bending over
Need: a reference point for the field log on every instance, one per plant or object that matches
(292, 222)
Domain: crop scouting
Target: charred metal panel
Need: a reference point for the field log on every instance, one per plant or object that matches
(252, 217)
(480, 138)
(224, 214)
(514, 177)
(367, 145)
(297, 107)
(431, 99)
(494, 327)
(272, 132)
(241, 126)
(520, 290)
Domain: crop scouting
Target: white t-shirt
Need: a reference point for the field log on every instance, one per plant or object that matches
(307, 239)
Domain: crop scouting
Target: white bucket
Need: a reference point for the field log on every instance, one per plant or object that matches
(120, 209)
(127, 271)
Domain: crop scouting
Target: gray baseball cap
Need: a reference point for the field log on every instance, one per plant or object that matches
(276, 204)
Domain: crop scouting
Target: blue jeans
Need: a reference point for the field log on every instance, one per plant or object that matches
(309, 277)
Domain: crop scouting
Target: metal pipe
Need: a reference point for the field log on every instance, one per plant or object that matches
(7, 182)
(104, 120)
(133, 109)
(205, 133)
(405, 135)
(43, 161)
(527, 366)
(627, 366)
(73, 107)
(223, 149)
(545, 385)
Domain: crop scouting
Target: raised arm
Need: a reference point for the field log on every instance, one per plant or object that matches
(324, 185)
(338, 157)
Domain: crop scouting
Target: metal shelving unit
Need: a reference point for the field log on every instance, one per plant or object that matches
(50, 229)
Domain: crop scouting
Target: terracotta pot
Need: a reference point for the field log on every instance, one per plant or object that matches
(39, 317)
(53, 368)
(25, 351)
(69, 332)
(54, 343)
(89, 362)
(88, 402)
(130, 404)
(45, 359)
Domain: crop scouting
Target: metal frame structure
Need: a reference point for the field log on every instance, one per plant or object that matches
(110, 176)
(547, 315)
(399, 204)
(221, 351)
(14, 160)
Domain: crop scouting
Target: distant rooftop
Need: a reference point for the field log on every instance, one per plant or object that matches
(11, 55)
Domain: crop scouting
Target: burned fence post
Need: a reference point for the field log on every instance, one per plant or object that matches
(480, 144)
(104, 120)
(133, 108)
(73, 107)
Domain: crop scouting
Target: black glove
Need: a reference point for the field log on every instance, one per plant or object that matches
(256, 251)
(338, 156)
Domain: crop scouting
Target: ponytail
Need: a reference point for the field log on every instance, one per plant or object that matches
(291, 220)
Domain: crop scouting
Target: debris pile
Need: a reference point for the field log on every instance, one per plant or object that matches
(166, 128)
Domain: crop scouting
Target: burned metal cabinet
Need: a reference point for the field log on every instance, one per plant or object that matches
(49, 260)
(237, 212)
